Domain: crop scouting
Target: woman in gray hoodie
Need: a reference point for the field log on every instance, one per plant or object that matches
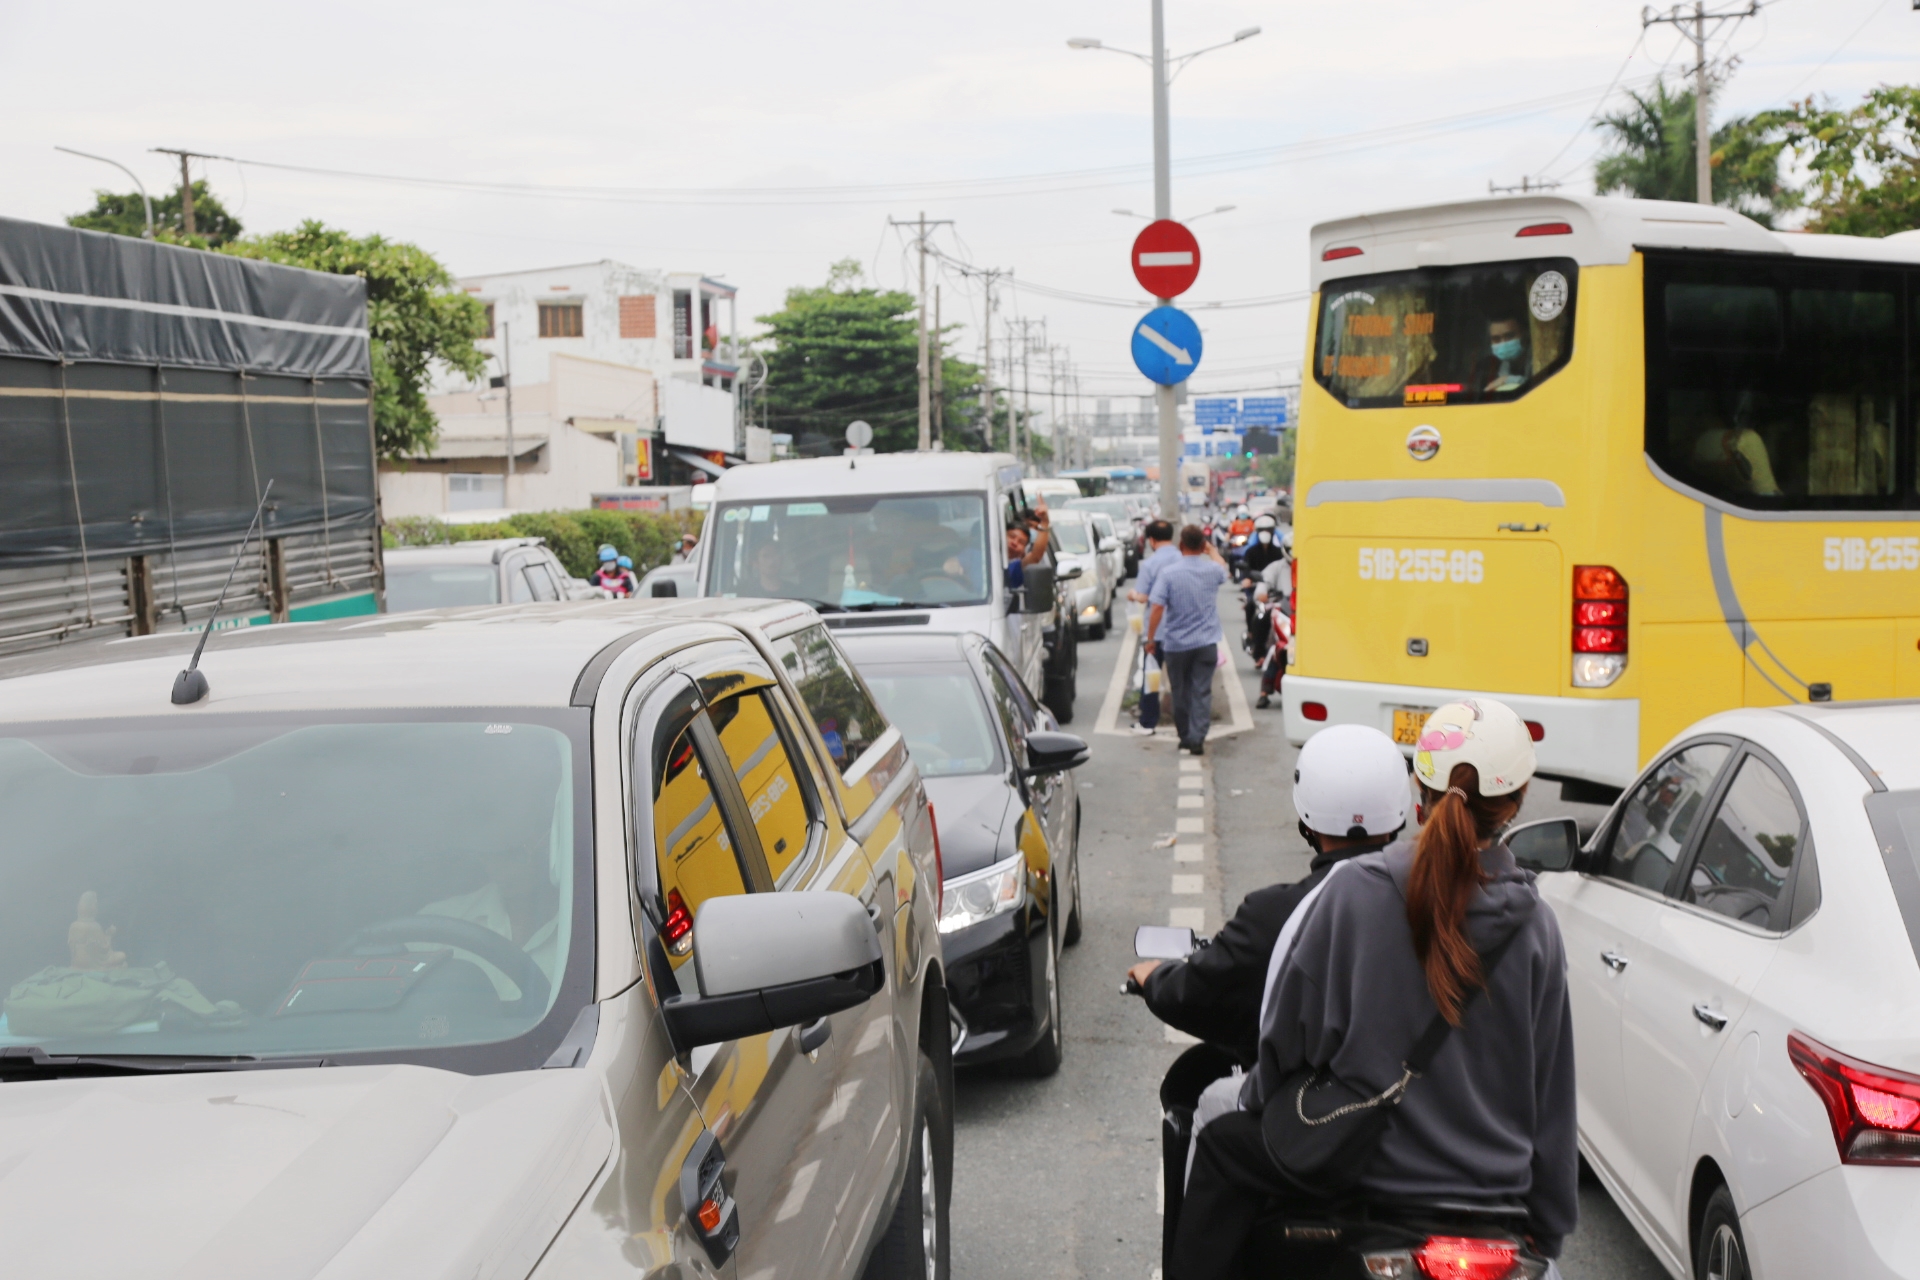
(1394, 937)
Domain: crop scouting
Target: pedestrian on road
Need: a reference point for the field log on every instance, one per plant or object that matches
(1384, 965)
(1160, 550)
(1184, 630)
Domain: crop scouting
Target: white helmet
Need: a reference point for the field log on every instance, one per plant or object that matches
(1263, 522)
(1486, 734)
(1351, 781)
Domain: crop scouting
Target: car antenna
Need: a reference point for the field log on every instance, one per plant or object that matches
(190, 686)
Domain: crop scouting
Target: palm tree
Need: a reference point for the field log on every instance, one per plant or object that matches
(1652, 157)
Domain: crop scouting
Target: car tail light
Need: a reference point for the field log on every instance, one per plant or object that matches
(1344, 251)
(1599, 625)
(1874, 1111)
(1546, 229)
(1314, 710)
(678, 927)
(1536, 730)
(939, 867)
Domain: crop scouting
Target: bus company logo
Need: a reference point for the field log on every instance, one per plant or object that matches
(1423, 443)
(1547, 297)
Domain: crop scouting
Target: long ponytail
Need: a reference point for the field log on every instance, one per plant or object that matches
(1446, 872)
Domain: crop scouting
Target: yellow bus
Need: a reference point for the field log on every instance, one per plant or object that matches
(1618, 463)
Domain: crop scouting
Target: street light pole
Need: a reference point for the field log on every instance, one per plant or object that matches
(145, 199)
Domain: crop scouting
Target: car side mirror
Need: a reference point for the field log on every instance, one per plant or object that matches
(1038, 592)
(770, 960)
(1550, 844)
(1109, 544)
(1052, 752)
(664, 587)
(1069, 573)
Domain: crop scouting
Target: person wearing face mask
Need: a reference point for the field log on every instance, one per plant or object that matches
(1506, 370)
(1262, 550)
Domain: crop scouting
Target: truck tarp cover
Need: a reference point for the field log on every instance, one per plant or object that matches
(148, 393)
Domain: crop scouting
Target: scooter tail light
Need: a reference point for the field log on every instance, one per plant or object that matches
(1874, 1111)
(1467, 1258)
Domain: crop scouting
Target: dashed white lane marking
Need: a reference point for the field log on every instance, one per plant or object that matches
(1191, 802)
(1186, 885)
(1192, 782)
(1190, 764)
(1190, 826)
(1189, 852)
(1194, 918)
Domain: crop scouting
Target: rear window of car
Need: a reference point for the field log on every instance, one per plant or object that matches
(836, 699)
(440, 586)
(943, 716)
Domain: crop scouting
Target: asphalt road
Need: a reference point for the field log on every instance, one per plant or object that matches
(1059, 1177)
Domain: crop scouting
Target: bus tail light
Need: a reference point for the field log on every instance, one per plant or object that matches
(1599, 626)
(1344, 251)
(1874, 1111)
(1314, 710)
(1546, 229)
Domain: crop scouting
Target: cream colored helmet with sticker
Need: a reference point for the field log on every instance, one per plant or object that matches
(1486, 734)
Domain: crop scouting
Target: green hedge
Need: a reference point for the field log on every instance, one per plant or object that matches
(575, 536)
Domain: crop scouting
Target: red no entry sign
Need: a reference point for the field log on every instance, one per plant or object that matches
(1166, 259)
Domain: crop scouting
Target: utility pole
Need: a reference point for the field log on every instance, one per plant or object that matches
(506, 348)
(939, 376)
(1680, 19)
(986, 368)
(186, 183)
(921, 226)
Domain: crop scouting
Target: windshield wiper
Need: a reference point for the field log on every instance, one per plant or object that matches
(22, 1062)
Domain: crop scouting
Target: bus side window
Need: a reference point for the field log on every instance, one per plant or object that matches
(769, 781)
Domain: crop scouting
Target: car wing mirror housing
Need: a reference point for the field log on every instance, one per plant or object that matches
(1109, 544)
(1071, 572)
(770, 960)
(664, 587)
(1049, 751)
(1038, 593)
(1550, 844)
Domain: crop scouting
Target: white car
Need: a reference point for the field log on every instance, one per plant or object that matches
(489, 571)
(1742, 934)
(1077, 544)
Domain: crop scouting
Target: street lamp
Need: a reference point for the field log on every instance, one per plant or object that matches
(144, 198)
(1164, 70)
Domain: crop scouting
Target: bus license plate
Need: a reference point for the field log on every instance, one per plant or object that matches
(1407, 722)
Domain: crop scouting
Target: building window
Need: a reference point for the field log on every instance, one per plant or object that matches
(682, 325)
(470, 492)
(636, 317)
(487, 331)
(562, 320)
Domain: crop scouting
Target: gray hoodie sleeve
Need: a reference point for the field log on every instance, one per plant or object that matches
(1554, 1200)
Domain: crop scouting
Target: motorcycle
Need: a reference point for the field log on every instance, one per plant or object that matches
(1355, 1238)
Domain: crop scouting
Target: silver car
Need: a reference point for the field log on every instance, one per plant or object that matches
(487, 571)
(563, 940)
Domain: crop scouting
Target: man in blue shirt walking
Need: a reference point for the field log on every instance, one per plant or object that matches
(1183, 628)
(1160, 550)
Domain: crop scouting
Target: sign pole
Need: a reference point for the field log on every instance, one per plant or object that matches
(1168, 417)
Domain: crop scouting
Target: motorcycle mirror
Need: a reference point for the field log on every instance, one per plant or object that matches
(1162, 942)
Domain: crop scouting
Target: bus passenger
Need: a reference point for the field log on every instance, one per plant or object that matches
(1737, 458)
(1505, 370)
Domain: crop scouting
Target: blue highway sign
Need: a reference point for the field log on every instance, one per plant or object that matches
(1216, 411)
(1264, 411)
(1166, 345)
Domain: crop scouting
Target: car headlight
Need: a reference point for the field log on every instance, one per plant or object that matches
(983, 894)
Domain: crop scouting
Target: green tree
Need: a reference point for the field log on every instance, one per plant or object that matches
(124, 214)
(844, 351)
(415, 316)
(1651, 157)
(1864, 160)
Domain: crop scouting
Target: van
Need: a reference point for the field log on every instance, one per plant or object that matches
(896, 540)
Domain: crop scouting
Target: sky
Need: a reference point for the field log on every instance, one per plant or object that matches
(760, 142)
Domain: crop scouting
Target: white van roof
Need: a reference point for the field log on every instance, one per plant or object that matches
(1599, 231)
(872, 473)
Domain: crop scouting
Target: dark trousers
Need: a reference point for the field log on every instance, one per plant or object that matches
(1233, 1181)
(1190, 672)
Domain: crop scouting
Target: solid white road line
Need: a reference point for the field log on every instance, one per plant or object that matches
(1108, 720)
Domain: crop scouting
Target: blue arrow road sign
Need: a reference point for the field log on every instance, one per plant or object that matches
(1166, 345)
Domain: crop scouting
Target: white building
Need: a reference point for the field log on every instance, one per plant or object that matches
(619, 377)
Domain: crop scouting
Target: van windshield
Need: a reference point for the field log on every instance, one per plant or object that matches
(868, 551)
(273, 886)
(1453, 335)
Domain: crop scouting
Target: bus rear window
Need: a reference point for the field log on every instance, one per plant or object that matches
(1776, 384)
(1452, 335)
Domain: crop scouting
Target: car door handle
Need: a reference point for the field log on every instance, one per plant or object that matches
(813, 1035)
(1614, 961)
(1715, 1020)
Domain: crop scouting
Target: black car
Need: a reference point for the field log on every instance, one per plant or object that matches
(1007, 812)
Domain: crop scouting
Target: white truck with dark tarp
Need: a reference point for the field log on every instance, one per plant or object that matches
(148, 395)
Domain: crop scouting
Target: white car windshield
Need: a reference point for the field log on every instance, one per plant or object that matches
(869, 551)
(264, 886)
